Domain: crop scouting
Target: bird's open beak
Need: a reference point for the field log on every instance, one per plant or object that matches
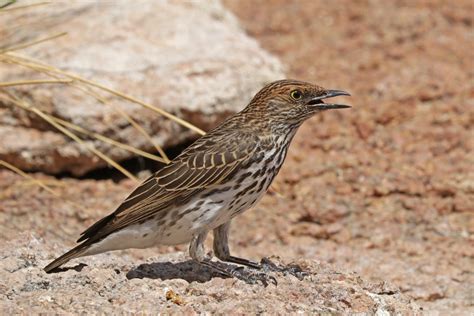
(318, 103)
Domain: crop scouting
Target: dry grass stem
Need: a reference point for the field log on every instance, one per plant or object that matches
(27, 176)
(27, 6)
(22, 104)
(52, 183)
(40, 183)
(57, 73)
(100, 99)
(110, 90)
(27, 82)
(107, 139)
(87, 86)
(129, 119)
(25, 45)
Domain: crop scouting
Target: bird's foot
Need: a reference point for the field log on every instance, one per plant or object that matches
(249, 276)
(253, 276)
(295, 270)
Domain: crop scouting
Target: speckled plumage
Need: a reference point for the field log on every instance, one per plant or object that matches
(221, 175)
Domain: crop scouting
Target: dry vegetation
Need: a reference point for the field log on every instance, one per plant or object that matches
(54, 75)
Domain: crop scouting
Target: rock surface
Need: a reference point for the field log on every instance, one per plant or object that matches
(188, 58)
(113, 283)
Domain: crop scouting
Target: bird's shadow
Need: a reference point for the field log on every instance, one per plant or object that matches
(189, 271)
(77, 268)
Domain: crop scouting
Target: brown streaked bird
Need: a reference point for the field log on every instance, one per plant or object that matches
(218, 177)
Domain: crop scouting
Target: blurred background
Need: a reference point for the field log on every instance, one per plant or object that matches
(95, 96)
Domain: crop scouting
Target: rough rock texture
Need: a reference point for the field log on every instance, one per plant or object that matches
(113, 283)
(189, 58)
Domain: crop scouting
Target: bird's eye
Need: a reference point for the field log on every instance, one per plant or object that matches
(296, 94)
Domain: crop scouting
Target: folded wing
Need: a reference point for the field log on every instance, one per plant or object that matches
(206, 163)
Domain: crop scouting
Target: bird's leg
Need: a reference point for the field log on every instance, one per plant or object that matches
(221, 247)
(221, 250)
(196, 247)
(197, 252)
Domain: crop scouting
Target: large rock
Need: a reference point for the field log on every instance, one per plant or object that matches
(114, 284)
(189, 58)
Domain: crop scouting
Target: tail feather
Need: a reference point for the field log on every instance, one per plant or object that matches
(77, 251)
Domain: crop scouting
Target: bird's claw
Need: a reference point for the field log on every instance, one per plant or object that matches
(252, 276)
(248, 275)
(295, 270)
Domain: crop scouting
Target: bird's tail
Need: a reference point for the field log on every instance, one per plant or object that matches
(75, 252)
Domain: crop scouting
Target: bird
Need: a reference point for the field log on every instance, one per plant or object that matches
(218, 177)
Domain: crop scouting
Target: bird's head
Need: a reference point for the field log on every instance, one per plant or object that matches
(292, 102)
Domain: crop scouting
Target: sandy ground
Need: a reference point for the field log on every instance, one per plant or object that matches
(385, 189)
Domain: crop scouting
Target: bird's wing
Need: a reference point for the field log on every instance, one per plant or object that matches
(204, 164)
